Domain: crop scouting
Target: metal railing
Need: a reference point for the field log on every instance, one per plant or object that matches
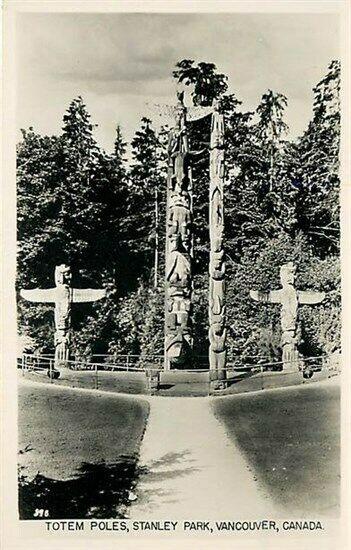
(261, 374)
(143, 361)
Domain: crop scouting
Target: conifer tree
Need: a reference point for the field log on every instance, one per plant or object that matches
(68, 191)
(147, 198)
(206, 82)
(38, 204)
(270, 129)
(79, 205)
(317, 170)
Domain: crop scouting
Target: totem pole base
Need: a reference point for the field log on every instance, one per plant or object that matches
(53, 374)
(292, 360)
(153, 378)
(217, 379)
(61, 353)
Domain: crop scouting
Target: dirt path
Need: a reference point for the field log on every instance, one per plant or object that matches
(193, 468)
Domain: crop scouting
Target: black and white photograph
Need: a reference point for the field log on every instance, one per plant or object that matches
(178, 272)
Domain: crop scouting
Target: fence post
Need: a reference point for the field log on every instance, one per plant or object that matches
(127, 362)
(327, 364)
(96, 378)
(22, 364)
(50, 371)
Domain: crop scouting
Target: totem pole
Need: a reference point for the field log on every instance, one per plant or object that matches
(289, 298)
(179, 248)
(63, 296)
(217, 308)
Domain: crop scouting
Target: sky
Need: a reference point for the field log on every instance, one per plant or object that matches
(119, 63)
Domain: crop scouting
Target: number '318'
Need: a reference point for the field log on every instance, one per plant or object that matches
(41, 513)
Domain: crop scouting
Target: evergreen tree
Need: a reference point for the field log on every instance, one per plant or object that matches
(38, 204)
(139, 327)
(270, 129)
(207, 83)
(79, 205)
(67, 198)
(317, 166)
(99, 321)
(147, 199)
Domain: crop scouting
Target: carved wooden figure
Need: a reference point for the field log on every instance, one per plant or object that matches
(178, 337)
(217, 309)
(289, 299)
(63, 296)
(178, 280)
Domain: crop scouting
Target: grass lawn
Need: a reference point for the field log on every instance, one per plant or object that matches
(291, 439)
(118, 381)
(78, 450)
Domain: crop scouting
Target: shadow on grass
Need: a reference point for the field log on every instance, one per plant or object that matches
(156, 474)
(98, 490)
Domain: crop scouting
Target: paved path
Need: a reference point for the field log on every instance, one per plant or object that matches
(193, 469)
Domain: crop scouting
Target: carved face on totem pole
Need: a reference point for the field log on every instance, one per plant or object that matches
(178, 348)
(179, 223)
(287, 274)
(177, 135)
(289, 298)
(217, 127)
(217, 265)
(217, 298)
(218, 335)
(177, 320)
(63, 275)
(217, 209)
(179, 199)
(178, 273)
(177, 140)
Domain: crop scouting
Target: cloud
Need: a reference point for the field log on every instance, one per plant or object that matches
(120, 61)
(121, 49)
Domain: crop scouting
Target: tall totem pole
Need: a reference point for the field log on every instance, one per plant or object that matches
(179, 240)
(178, 330)
(217, 308)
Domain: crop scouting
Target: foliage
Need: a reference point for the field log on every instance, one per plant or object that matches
(147, 195)
(70, 204)
(106, 218)
(207, 83)
(317, 167)
(254, 328)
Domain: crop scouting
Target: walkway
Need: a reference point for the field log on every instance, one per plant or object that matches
(194, 471)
